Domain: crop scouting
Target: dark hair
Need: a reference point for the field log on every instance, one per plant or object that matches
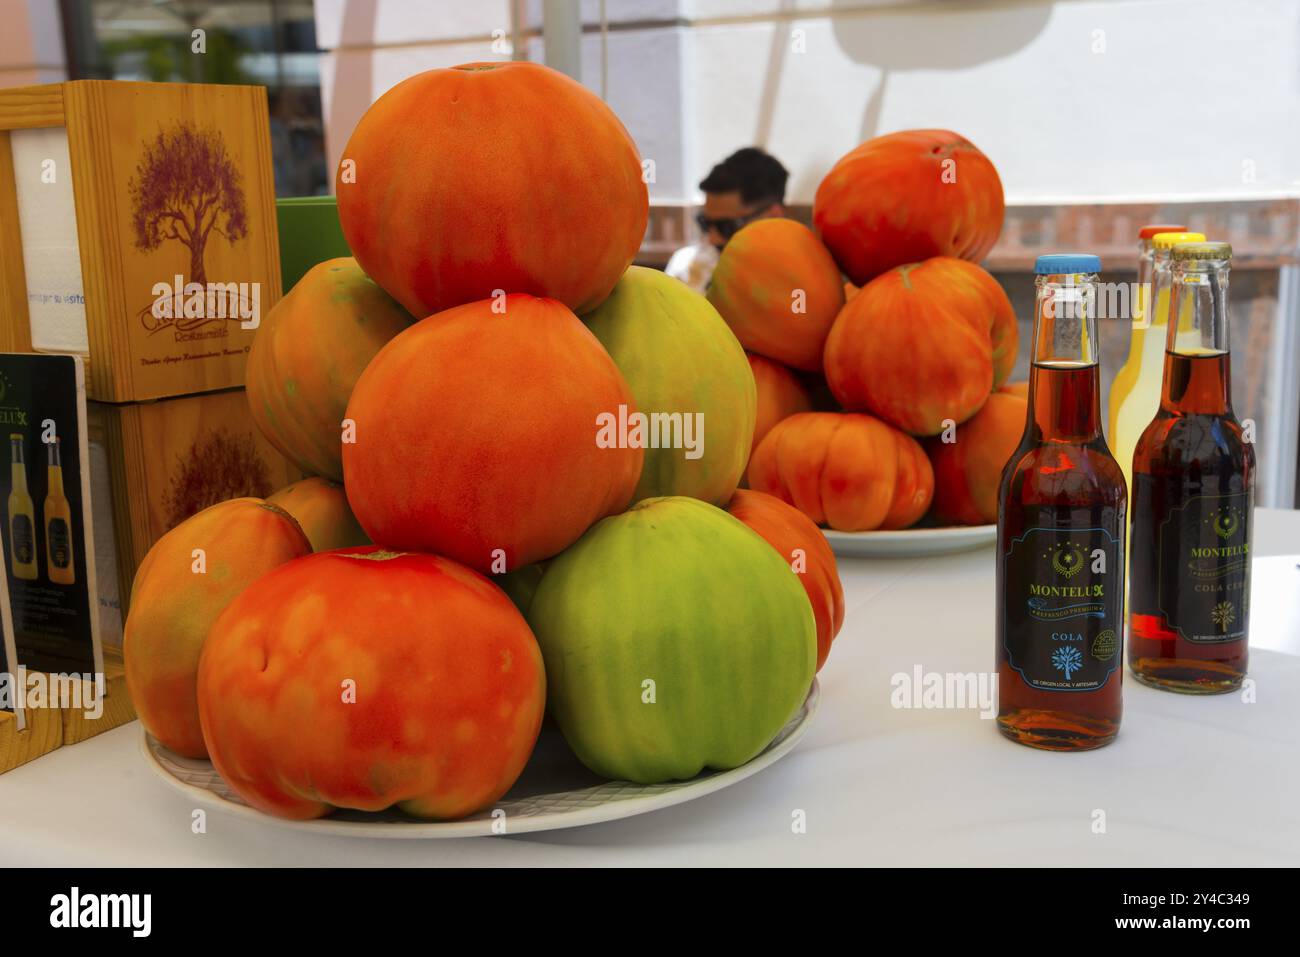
(756, 175)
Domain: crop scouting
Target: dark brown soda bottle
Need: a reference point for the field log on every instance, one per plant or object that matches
(1061, 504)
(1193, 499)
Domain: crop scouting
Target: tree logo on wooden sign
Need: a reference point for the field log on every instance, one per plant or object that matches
(187, 189)
(217, 466)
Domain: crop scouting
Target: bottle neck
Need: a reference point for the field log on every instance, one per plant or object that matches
(1065, 319)
(1157, 313)
(1197, 367)
(1197, 385)
(1145, 271)
(17, 469)
(1198, 307)
(1065, 402)
(1064, 393)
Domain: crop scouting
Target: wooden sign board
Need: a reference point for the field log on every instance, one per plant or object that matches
(137, 228)
(167, 460)
(25, 733)
(55, 668)
(42, 734)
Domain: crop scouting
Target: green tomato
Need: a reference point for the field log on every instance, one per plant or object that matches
(675, 639)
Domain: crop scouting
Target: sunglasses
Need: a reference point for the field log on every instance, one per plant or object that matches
(728, 227)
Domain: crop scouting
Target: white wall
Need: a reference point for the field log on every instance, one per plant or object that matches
(31, 43)
(1082, 100)
(1077, 99)
(374, 44)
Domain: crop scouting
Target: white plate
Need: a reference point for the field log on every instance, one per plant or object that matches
(555, 791)
(911, 542)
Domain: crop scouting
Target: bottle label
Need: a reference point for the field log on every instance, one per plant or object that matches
(60, 553)
(23, 541)
(1203, 557)
(1064, 605)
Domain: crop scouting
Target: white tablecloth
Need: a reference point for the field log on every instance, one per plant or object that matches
(1190, 781)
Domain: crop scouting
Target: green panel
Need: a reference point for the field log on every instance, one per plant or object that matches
(309, 233)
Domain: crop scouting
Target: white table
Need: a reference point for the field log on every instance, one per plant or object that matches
(1190, 781)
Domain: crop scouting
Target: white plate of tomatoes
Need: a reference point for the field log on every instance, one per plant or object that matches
(555, 791)
(910, 542)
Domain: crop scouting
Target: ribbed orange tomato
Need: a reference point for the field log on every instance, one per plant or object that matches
(923, 343)
(905, 197)
(850, 472)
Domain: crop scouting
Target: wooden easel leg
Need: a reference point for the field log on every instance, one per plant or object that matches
(117, 706)
(44, 733)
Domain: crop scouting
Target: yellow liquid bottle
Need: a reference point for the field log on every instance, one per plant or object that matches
(1128, 372)
(58, 524)
(22, 516)
(1138, 408)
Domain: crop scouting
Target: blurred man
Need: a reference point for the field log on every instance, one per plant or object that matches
(747, 185)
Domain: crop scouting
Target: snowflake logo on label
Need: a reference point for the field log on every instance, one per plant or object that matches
(1223, 615)
(1067, 559)
(1068, 660)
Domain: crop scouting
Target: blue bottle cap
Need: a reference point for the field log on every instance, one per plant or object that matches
(1057, 264)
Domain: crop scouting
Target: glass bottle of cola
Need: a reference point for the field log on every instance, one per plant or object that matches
(1061, 508)
(1193, 498)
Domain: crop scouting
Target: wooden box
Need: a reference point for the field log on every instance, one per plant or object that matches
(152, 465)
(37, 731)
(157, 463)
(117, 708)
(43, 734)
(137, 228)
(50, 728)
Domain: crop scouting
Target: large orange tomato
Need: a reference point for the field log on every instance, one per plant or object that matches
(321, 509)
(306, 358)
(923, 343)
(967, 471)
(779, 290)
(492, 176)
(478, 435)
(908, 196)
(188, 578)
(851, 472)
(363, 678)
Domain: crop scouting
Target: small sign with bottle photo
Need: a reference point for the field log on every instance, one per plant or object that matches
(10, 698)
(47, 546)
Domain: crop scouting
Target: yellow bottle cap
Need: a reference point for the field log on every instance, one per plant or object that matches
(1202, 250)
(1170, 240)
